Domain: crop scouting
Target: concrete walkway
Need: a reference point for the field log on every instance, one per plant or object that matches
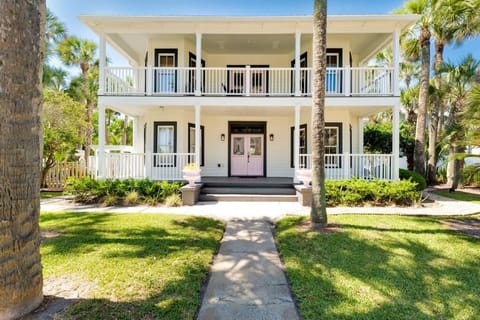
(271, 211)
(247, 279)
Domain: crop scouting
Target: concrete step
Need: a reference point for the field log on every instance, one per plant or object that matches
(248, 197)
(249, 190)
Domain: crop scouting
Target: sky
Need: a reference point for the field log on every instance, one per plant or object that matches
(68, 11)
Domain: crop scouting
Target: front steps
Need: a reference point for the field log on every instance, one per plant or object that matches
(248, 189)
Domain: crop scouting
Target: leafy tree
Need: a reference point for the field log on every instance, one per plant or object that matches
(21, 55)
(62, 120)
(318, 213)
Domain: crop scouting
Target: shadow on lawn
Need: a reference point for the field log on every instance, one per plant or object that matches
(177, 296)
(395, 277)
(178, 299)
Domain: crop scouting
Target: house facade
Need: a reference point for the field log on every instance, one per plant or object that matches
(233, 94)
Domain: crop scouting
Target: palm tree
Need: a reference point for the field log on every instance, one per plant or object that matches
(318, 213)
(460, 79)
(81, 52)
(21, 27)
(453, 20)
(420, 40)
(54, 78)
(55, 32)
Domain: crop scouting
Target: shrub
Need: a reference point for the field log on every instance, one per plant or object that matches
(471, 175)
(415, 177)
(173, 200)
(131, 191)
(131, 198)
(357, 192)
(109, 200)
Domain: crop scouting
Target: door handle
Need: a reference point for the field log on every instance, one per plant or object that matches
(248, 158)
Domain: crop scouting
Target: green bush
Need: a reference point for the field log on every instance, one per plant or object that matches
(88, 190)
(357, 192)
(415, 177)
(471, 175)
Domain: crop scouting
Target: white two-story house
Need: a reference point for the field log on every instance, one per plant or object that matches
(233, 94)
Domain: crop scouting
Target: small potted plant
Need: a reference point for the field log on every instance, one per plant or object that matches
(191, 173)
(305, 175)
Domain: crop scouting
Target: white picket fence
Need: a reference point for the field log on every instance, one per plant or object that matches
(57, 176)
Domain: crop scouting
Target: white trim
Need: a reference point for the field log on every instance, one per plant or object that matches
(296, 142)
(396, 62)
(396, 141)
(198, 64)
(101, 142)
(198, 142)
(298, 37)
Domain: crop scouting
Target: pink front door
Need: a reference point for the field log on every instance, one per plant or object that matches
(247, 155)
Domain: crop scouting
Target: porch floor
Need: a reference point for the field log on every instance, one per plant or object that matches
(248, 181)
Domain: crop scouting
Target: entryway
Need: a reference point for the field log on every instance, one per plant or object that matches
(247, 150)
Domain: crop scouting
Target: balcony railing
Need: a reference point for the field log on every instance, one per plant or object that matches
(345, 166)
(169, 166)
(247, 81)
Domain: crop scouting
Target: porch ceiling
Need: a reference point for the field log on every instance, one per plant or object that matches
(244, 35)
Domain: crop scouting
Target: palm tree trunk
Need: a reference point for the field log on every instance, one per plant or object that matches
(433, 127)
(22, 30)
(419, 150)
(318, 213)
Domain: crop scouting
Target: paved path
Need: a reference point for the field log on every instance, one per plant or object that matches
(247, 280)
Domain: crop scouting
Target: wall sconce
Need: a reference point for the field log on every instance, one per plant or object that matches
(271, 137)
(222, 137)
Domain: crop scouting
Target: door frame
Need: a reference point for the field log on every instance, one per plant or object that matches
(167, 51)
(247, 125)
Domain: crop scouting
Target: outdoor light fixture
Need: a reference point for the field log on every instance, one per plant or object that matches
(222, 137)
(271, 137)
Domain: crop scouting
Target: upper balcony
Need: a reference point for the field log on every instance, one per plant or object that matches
(245, 81)
(246, 56)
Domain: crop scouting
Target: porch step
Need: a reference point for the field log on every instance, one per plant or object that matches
(248, 189)
(239, 190)
(248, 197)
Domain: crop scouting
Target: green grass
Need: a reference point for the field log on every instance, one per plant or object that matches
(50, 194)
(382, 267)
(140, 266)
(459, 195)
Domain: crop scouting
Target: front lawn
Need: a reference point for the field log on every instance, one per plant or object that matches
(382, 267)
(133, 266)
(459, 195)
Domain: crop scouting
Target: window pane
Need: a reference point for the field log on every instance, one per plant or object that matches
(165, 139)
(238, 146)
(256, 146)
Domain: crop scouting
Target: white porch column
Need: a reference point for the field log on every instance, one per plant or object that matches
(101, 142)
(361, 124)
(102, 48)
(396, 63)
(396, 141)
(198, 140)
(198, 66)
(296, 143)
(298, 37)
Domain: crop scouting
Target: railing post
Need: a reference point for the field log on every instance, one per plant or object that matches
(148, 165)
(149, 80)
(296, 142)
(347, 81)
(248, 80)
(346, 165)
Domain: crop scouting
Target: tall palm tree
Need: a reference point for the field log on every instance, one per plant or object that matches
(460, 79)
(54, 78)
(453, 20)
(22, 26)
(420, 40)
(318, 213)
(55, 32)
(81, 52)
